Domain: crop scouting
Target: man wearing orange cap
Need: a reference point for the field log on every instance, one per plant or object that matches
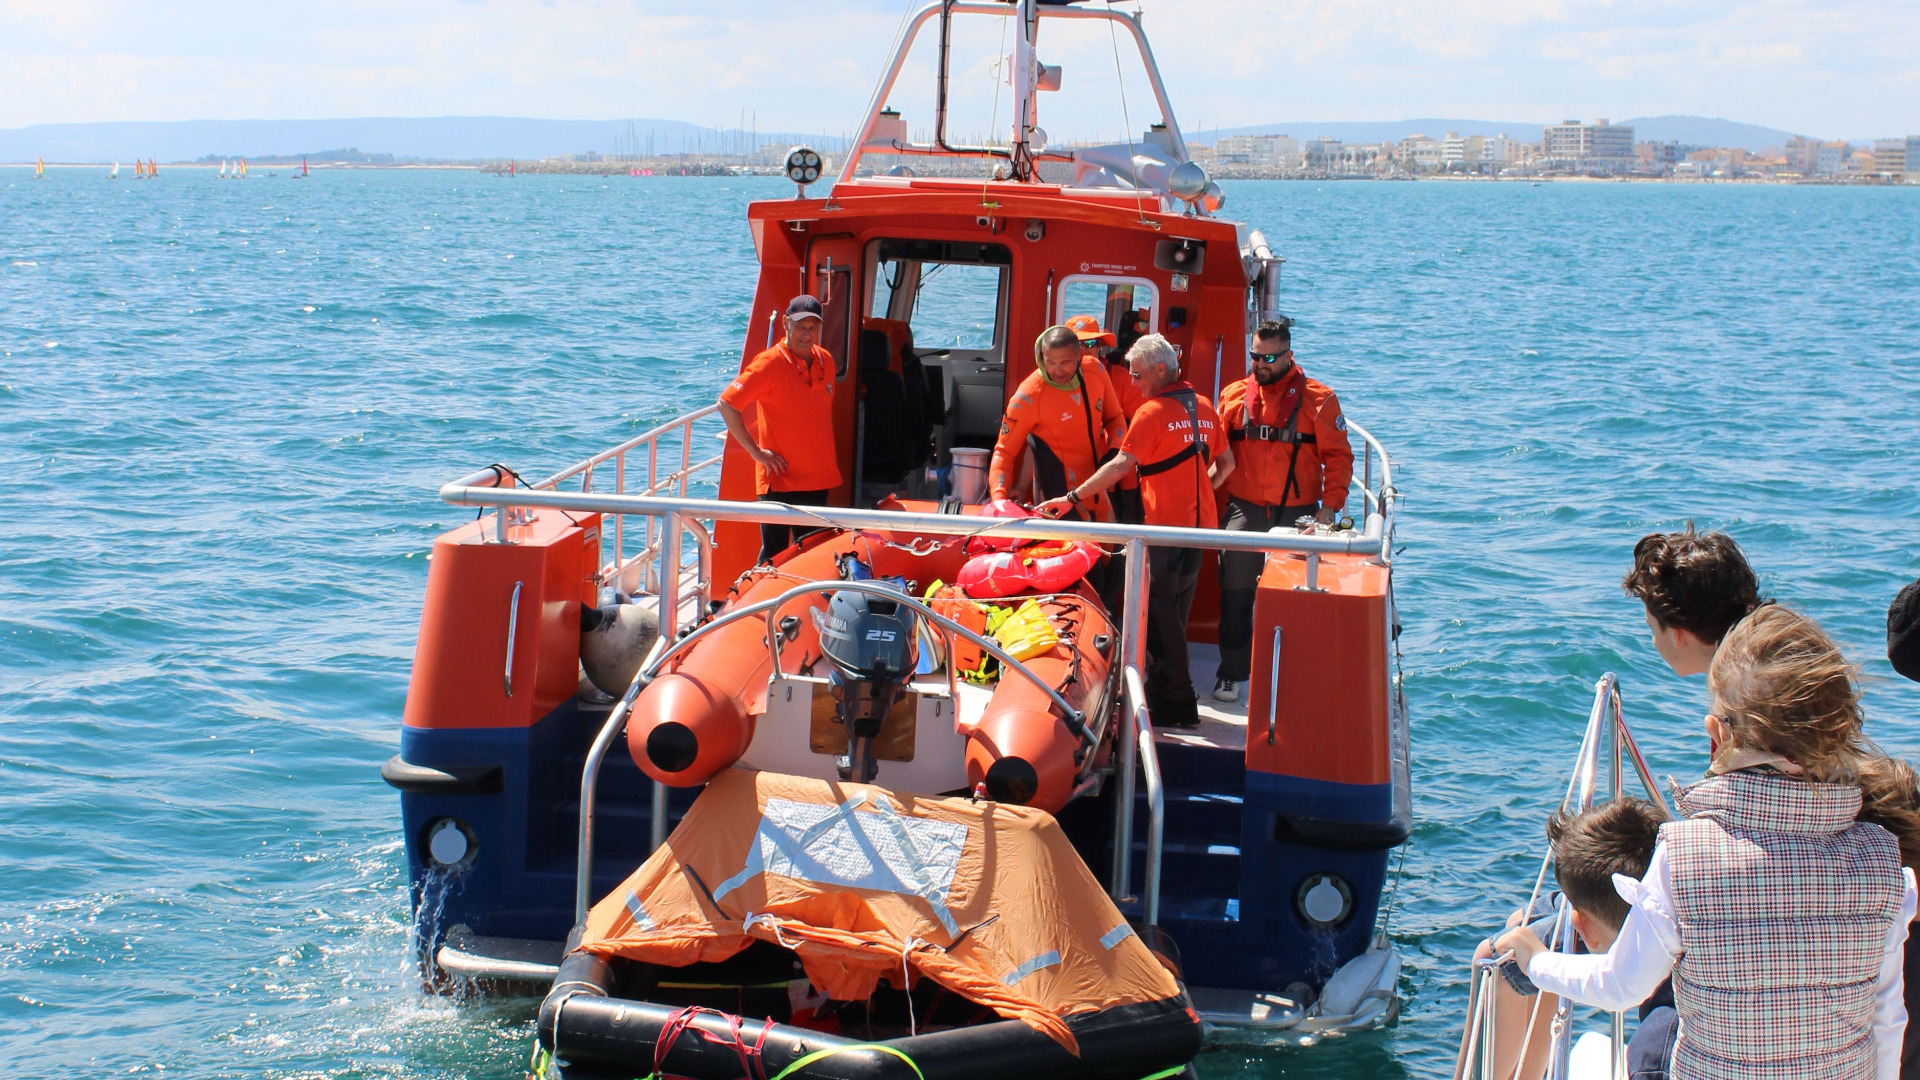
(1100, 345)
(1067, 414)
(791, 443)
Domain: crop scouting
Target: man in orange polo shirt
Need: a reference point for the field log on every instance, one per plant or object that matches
(791, 440)
(1294, 461)
(1176, 443)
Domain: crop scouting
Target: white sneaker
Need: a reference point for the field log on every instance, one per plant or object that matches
(1226, 690)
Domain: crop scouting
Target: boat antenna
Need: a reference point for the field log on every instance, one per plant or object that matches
(1119, 76)
(995, 72)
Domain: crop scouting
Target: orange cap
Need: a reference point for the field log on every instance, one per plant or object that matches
(1087, 328)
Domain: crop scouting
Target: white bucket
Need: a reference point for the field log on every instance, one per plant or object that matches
(970, 474)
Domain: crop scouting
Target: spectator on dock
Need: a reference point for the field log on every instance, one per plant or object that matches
(1176, 443)
(1292, 461)
(791, 439)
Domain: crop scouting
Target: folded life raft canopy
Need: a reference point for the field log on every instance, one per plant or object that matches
(988, 900)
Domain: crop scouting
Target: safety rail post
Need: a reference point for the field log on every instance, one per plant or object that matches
(1156, 794)
(619, 520)
(1133, 654)
(669, 595)
(589, 781)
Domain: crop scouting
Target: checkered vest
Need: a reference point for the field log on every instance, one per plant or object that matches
(1784, 903)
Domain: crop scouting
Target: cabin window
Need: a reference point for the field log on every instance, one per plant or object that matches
(957, 306)
(934, 342)
(1110, 300)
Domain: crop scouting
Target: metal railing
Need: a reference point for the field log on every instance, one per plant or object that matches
(1606, 731)
(682, 515)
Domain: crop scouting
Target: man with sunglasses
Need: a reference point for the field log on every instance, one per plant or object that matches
(1293, 461)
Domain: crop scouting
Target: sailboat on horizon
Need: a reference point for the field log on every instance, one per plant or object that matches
(302, 174)
(223, 168)
(39, 168)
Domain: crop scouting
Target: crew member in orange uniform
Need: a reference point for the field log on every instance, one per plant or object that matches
(791, 439)
(1069, 415)
(1124, 498)
(1291, 445)
(1177, 444)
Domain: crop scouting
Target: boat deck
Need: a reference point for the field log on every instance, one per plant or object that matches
(1223, 724)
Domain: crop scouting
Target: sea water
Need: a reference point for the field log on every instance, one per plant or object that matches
(225, 408)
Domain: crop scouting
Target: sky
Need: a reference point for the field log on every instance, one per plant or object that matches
(1831, 68)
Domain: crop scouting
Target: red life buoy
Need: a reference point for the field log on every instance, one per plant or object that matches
(1047, 566)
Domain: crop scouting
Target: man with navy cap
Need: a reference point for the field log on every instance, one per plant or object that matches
(790, 389)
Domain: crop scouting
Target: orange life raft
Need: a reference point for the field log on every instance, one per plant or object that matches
(699, 716)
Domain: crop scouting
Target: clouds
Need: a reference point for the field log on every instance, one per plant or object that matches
(1838, 67)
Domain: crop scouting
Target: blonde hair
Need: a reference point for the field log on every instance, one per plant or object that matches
(1781, 685)
(1890, 798)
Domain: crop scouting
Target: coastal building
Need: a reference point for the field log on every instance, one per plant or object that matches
(1259, 151)
(1502, 149)
(1601, 146)
(1830, 158)
(1890, 157)
(1913, 159)
(1657, 158)
(1420, 153)
(1803, 154)
(1323, 154)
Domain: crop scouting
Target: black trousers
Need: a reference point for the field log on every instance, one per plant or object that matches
(1240, 575)
(1173, 574)
(775, 539)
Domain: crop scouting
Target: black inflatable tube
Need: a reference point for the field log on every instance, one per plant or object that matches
(596, 1034)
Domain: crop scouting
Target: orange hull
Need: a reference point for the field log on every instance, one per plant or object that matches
(1020, 748)
(699, 717)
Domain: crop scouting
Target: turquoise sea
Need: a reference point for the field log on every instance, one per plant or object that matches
(225, 408)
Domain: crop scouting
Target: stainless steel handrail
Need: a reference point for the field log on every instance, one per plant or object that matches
(1142, 732)
(1133, 654)
(589, 777)
(1606, 725)
(1372, 541)
(1072, 716)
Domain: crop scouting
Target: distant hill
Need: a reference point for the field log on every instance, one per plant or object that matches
(438, 138)
(1375, 131)
(1706, 131)
(1692, 130)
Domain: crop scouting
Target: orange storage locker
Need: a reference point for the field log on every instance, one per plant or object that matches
(462, 677)
(1325, 717)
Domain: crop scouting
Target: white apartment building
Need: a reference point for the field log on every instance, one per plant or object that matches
(1421, 152)
(1599, 145)
(1890, 157)
(1830, 158)
(1263, 151)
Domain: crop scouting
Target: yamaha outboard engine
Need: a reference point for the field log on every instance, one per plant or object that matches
(870, 641)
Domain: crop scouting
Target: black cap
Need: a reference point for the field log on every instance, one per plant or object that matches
(1903, 632)
(802, 307)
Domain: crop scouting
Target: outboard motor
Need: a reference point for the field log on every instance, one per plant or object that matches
(870, 641)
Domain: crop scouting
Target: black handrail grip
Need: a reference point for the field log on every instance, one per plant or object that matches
(453, 780)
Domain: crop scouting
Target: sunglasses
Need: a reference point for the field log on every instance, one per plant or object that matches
(1268, 358)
